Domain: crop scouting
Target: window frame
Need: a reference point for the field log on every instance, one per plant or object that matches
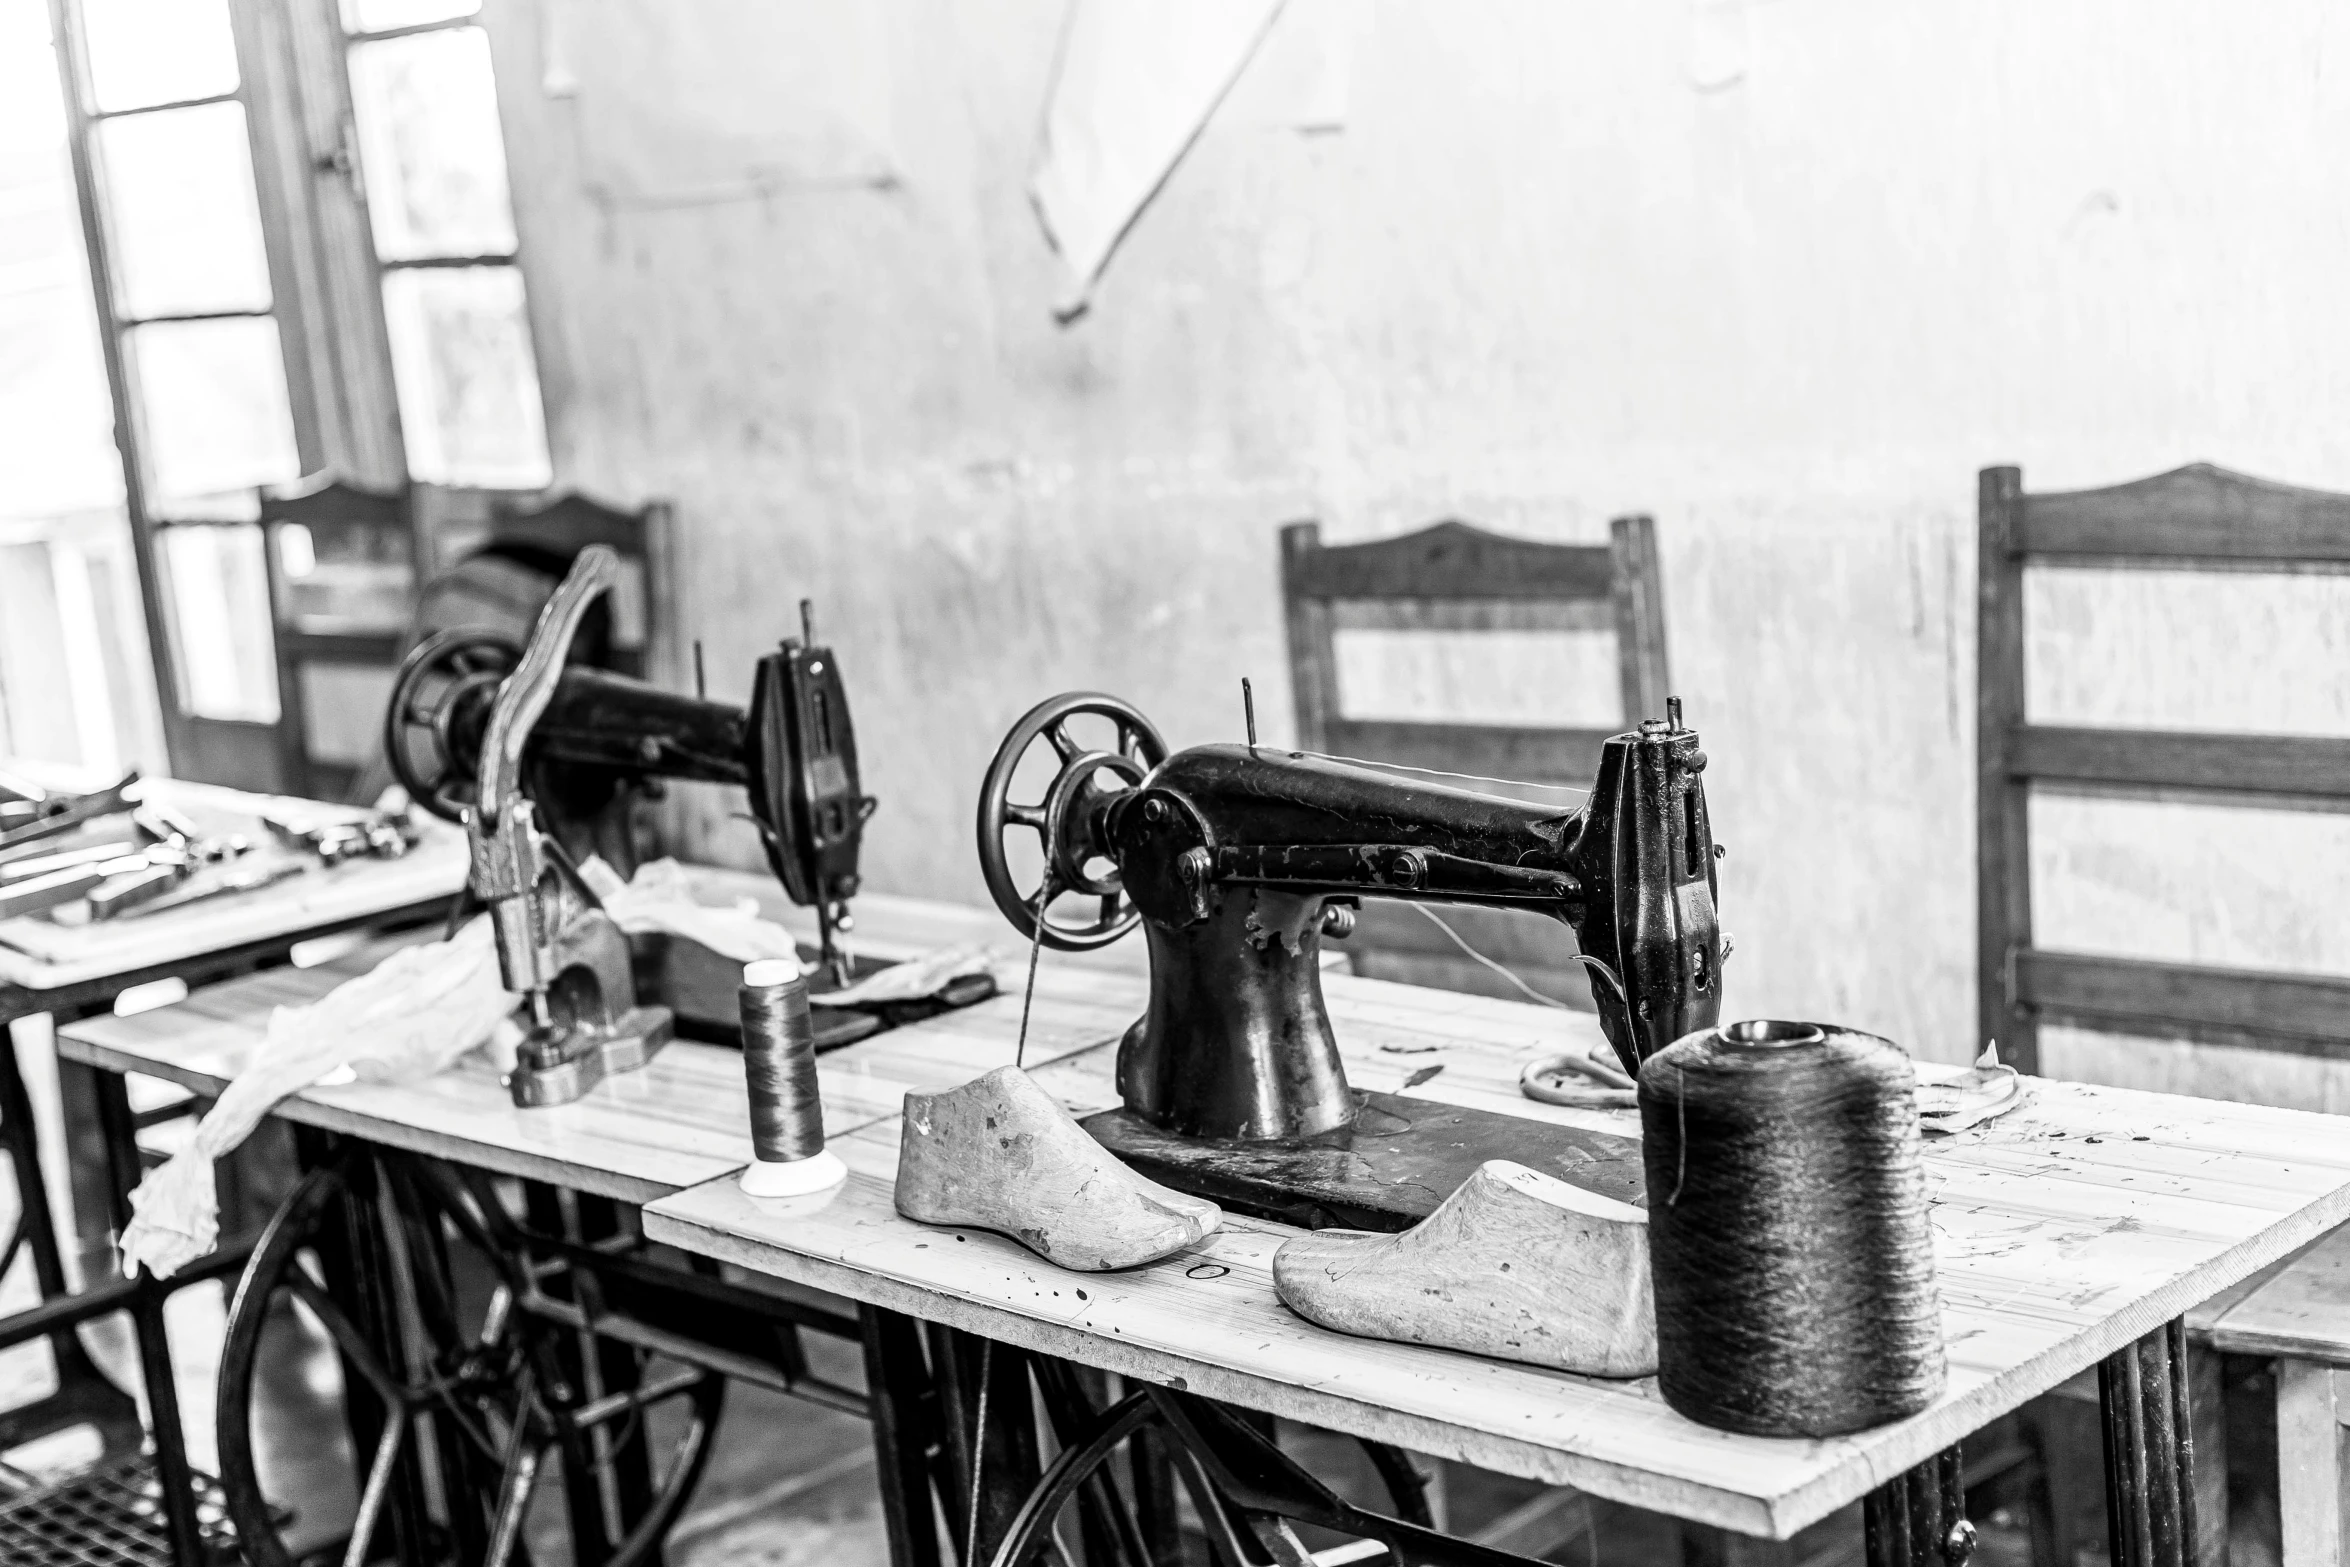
(326, 301)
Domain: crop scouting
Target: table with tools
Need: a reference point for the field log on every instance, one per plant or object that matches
(108, 888)
(2072, 1232)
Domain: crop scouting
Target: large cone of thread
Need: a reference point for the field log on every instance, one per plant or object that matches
(1788, 1243)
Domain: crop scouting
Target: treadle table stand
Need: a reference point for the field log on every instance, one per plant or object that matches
(204, 943)
(681, 1119)
(2071, 1233)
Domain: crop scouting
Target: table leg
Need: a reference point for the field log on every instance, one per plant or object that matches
(905, 1433)
(120, 1129)
(84, 1393)
(2150, 1498)
(2309, 1464)
(1920, 1517)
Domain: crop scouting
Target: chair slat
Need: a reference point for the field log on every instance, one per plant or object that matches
(1453, 560)
(2136, 995)
(2196, 513)
(2229, 764)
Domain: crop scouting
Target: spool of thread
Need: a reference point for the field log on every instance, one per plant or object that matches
(1788, 1242)
(779, 1069)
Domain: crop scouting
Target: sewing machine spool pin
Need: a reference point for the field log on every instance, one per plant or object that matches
(1235, 858)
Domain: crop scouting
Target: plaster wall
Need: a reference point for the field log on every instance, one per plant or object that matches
(1537, 278)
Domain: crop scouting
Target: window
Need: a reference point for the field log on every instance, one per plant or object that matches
(302, 246)
(433, 163)
(75, 686)
(164, 153)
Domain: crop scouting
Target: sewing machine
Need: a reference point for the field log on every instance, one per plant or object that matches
(1238, 860)
(539, 760)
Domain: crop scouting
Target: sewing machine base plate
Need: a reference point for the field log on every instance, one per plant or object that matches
(699, 986)
(1387, 1171)
(635, 1039)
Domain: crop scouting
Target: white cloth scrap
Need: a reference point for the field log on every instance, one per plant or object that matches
(660, 897)
(914, 979)
(1985, 1091)
(411, 1016)
(408, 1018)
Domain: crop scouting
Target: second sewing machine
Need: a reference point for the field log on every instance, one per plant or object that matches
(540, 758)
(1238, 859)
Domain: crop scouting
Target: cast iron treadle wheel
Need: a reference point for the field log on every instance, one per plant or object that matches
(476, 1404)
(1082, 1474)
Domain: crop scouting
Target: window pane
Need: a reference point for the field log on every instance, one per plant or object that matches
(343, 577)
(213, 394)
(186, 226)
(430, 146)
(217, 600)
(469, 389)
(158, 51)
(379, 16)
(56, 417)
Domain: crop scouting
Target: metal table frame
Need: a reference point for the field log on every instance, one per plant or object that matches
(85, 1394)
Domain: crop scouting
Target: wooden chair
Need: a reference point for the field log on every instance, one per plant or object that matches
(344, 564)
(1455, 577)
(558, 528)
(2197, 516)
(499, 556)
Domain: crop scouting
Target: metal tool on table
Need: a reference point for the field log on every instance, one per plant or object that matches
(154, 851)
(39, 814)
(1238, 859)
(164, 876)
(597, 734)
(342, 835)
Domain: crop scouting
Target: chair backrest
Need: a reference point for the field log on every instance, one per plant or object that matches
(558, 528)
(1455, 577)
(344, 564)
(2195, 516)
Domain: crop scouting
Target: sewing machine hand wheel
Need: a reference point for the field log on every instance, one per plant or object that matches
(1065, 819)
(442, 675)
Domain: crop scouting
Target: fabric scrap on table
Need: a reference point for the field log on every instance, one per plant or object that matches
(914, 979)
(1982, 1092)
(407, 1018)
(660, 897)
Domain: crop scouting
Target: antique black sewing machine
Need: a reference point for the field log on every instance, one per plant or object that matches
(540, 759)
(1237, 860)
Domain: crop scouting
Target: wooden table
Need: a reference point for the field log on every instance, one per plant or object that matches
(2067, 1232)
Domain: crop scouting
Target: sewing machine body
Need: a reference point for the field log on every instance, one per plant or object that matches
(539, 760)
(1237, 860)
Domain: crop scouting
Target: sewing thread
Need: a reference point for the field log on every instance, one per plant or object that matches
(779, 1063)
(1788, 1242)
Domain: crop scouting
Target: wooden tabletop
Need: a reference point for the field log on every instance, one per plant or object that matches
(39, 954)
(682, 1118)
(2063, 1231)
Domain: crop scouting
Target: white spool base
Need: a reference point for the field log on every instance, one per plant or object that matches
(820, 1171)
